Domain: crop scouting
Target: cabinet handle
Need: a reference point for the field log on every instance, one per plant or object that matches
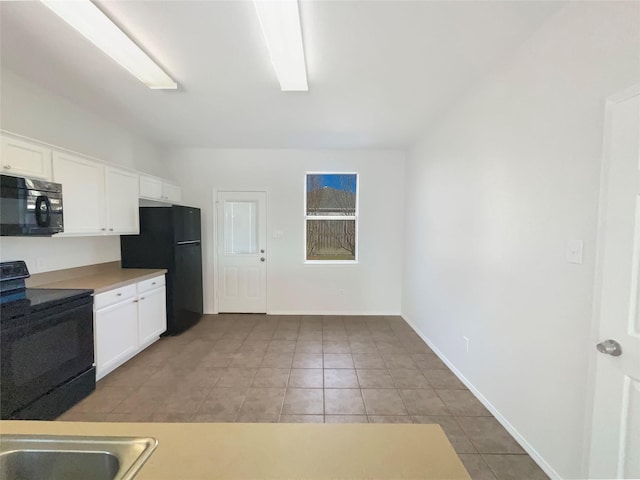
(119, 294)
(141, 298)
(153, 283)
(7, 167)
(103, 229)
(135, 301)
(111, 229)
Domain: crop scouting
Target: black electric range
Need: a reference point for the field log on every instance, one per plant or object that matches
(46, 347)
(36, 299)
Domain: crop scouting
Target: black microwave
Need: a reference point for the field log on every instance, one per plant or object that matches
(29, 207)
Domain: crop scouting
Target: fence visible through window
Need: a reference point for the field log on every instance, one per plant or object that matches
(331, 216)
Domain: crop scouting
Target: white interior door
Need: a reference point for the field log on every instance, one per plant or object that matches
(615, 444)
(242, 255)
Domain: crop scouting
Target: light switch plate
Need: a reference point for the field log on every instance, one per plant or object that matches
(573, 253)
(277, 234)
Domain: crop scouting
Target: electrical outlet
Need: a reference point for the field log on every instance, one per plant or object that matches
(466, 343)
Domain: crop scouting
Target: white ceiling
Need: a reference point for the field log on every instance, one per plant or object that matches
(379, 71)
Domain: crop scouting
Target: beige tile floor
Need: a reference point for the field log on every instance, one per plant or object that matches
(331, 369)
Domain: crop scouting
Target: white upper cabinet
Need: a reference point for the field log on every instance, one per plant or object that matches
(150, 187)
(172, 193)
(153, 188)
(122, 212)
(83, 198)
(96, 199)
(24, 158)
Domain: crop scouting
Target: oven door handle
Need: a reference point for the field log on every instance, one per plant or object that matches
(43, 211)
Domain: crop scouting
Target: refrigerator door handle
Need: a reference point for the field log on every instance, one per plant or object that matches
(189, 242)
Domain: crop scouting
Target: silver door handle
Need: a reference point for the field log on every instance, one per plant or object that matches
(610, 347)
(262, 259)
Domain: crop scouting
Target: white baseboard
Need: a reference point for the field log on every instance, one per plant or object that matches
(324, 312)
(533, 453)
(329, 312)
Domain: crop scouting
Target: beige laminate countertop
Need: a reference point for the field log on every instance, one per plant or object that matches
(194, 451)
(99, 278)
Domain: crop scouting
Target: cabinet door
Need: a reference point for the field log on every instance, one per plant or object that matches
(121, 201)
(171, 193)
(25, 159)
(152, 315)
(82, 194)
(116, 335)
(150, 187)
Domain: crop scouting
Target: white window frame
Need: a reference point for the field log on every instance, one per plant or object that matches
(331, 217)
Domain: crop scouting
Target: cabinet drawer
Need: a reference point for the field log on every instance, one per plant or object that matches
(150, 284)
(114, 296)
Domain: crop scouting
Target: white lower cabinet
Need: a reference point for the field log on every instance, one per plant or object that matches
(126, 321)
(116, 335)
(152, 315)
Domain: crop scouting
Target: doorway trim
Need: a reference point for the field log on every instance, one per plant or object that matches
(594, 333)
(214, 244)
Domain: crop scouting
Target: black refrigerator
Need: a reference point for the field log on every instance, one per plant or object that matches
(170, 238)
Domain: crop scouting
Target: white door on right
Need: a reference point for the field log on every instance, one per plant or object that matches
(242, 255)
(615, 444)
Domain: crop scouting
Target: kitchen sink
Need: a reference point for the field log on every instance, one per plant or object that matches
(52, 457)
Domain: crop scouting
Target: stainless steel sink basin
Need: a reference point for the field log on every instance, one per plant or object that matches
(49, 457)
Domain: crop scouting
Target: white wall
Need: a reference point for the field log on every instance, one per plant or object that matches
(48, 254)
(371, 287)
(493, 194)
(29, 110)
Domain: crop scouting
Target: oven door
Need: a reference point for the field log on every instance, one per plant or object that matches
(27, 211)
(42, 351)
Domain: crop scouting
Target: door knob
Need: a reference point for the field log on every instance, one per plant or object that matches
(262, 259)
(610, 347)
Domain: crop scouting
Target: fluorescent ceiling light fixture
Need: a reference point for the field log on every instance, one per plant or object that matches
(89, 20)
(280, 22)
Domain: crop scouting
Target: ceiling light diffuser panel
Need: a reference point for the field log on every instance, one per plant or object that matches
(89, 20)
(280, 22)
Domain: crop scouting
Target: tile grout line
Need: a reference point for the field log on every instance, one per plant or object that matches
(376, 335)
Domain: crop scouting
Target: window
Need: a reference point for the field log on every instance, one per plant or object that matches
(331, 217)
